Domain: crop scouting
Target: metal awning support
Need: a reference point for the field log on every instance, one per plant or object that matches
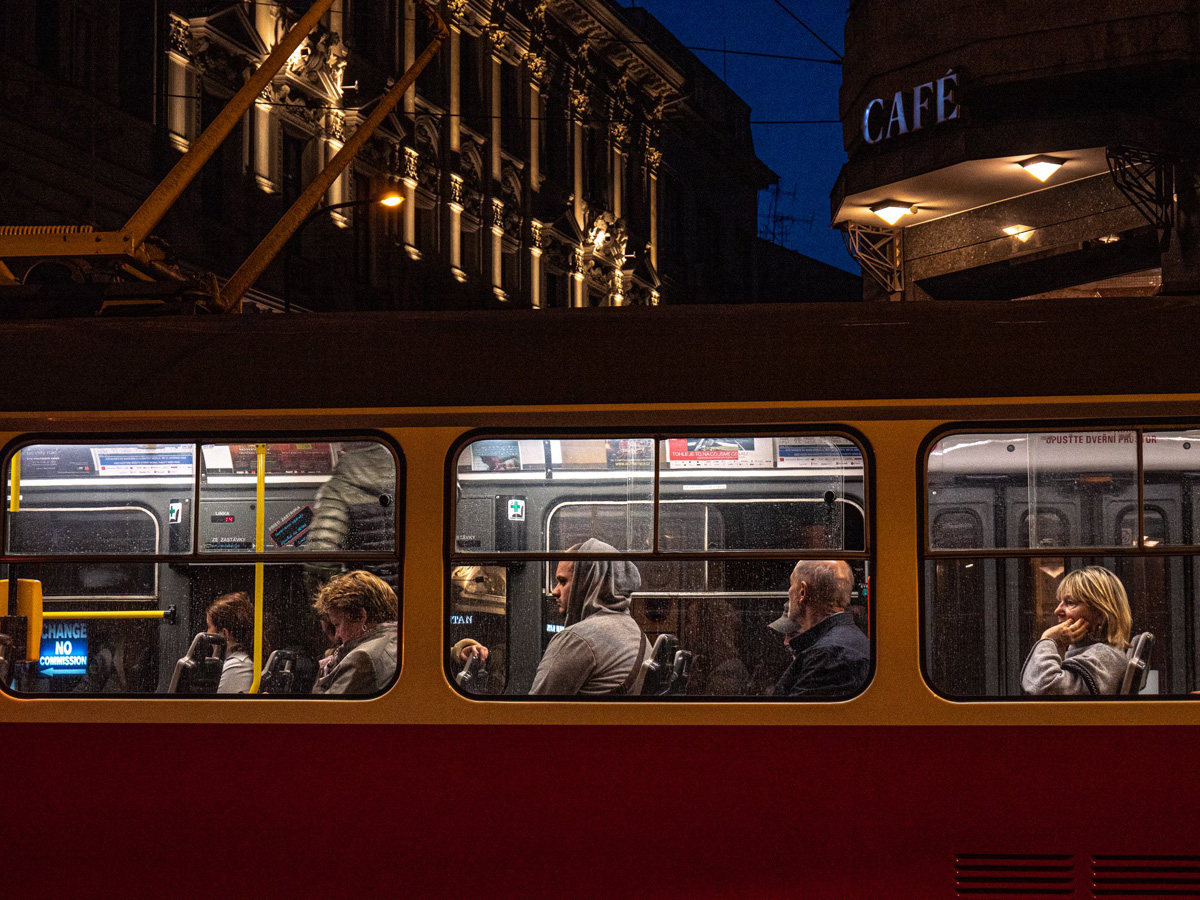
(256, 263)
(130, 240)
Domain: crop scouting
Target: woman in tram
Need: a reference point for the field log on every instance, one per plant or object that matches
(232, 617)
(363, 610)
(1085, 652)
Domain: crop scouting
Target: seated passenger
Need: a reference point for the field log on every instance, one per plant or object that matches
(831, 655)
(601, 646)
(363, 610)
(1084, 654)
(232, 617)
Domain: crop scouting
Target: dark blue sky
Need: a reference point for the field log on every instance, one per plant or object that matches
(806, 157)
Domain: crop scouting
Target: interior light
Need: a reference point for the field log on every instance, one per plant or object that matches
(891, 211)
(1042, 167)
(391, 199)
(1150, 542)
(1109, 238)
(1021, 232)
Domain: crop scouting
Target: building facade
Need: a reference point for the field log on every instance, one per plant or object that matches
(555, 153)
(1014, 148)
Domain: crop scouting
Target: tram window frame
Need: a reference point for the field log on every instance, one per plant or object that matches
(453, 557)
(1072, 555)
(195, 555)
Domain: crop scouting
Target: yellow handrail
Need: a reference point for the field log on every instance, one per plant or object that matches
(108, 614)
(259, 519)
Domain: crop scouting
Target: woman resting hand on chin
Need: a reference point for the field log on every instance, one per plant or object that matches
(1085, 652)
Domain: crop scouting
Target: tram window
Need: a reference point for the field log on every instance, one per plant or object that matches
(101, 535)
(1034, 472)
(320, 497)
(101, 498)
(719, 612)
(1068, 494)
(588, 516)
(134, 649)
(985, 615)
(723, 478)
(612, 477)
(1172, 463)
(957, 529)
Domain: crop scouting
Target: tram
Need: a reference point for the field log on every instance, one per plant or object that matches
(959, 459)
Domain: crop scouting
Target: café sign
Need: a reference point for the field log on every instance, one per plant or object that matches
(931, 103)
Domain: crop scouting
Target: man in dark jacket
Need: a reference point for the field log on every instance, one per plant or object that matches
(832, 656)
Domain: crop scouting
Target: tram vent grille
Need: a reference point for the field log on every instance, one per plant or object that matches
(994, 875)
(1145, 876)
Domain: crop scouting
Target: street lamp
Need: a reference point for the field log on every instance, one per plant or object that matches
(391, 200)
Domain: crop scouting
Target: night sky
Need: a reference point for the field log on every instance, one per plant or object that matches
(807, 158)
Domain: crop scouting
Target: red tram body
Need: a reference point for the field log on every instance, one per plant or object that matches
(937, 780)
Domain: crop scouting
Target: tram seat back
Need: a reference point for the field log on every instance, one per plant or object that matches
(1138, 668)
(288, 672)
(199, 671)
(666, 672)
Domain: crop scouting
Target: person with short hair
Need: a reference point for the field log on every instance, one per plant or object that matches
(363, 611)
(1085, 652)
(832, 657)
(232, 617)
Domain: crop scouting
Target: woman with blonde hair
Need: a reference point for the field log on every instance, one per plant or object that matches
(1085, 652)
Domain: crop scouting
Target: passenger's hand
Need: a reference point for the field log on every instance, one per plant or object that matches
(1066, 633)
(467, 648)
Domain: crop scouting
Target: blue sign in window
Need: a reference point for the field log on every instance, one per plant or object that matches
(64, 648)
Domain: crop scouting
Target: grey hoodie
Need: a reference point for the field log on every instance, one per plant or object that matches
(597, 650)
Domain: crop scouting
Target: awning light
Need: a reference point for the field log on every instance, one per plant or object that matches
(1021, 232)
(1042, 167)
(892, 211)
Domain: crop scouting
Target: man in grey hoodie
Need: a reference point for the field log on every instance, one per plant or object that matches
(601, 645)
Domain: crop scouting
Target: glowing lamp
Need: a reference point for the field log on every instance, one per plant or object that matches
(1042, 167)
(892, 211)
(1021, 232)
(392, 200)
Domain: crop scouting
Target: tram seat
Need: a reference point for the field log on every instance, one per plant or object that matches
(199, 671)
(7, 653)
(474, 677)
(666, 672)
(1138, 668)
(288, 672)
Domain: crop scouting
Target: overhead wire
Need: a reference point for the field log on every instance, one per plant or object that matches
(804, 25)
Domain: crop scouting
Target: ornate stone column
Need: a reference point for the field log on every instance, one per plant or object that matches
(498, 249)
(535, 264)
(409, 29)
(579, 105)
(411, 175)
(578, 278)
(653, 158)
(454, 210)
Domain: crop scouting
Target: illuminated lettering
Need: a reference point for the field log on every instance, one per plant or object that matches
(920, 103)
(867, 122)
(897, 116)
(933, 100)
(946, 95)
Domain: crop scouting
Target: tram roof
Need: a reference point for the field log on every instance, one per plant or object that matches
(824, 352)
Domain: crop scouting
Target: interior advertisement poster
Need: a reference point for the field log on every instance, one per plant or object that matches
(721, 453)
(636, 453)
(818, 453)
